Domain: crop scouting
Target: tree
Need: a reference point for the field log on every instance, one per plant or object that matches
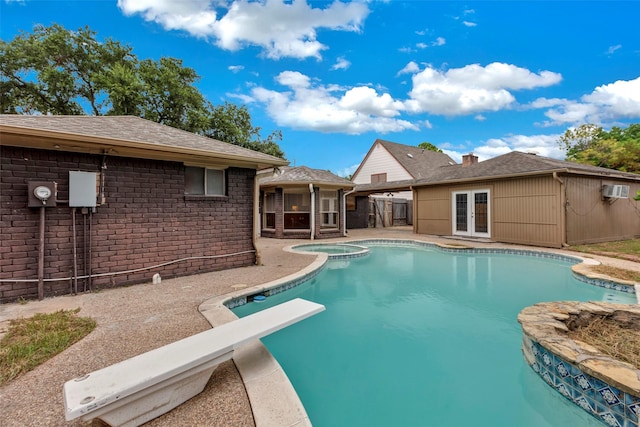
(616, 149)
(231, 123)
(57, 71)
(429, 146)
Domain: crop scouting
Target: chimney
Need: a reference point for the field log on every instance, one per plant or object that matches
(469, 159)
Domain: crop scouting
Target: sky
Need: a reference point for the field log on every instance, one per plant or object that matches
(469, 77)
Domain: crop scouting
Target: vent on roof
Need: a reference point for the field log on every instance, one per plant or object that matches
(410, 155)
(615, 191)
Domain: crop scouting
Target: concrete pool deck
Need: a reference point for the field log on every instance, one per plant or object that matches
(135, 319)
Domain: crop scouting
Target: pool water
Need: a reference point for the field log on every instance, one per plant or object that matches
(420, 337)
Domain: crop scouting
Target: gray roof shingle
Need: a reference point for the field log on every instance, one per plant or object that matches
(130, 129)
(303, 175)
(420, 163)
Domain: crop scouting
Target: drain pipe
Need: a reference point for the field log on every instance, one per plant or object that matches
(344, 211)
(256, 218)
(313, 212)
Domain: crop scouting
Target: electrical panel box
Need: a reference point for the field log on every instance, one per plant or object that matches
(615, 191)
(83, 189)
(42, 193)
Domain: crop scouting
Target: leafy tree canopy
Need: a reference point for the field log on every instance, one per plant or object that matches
(429, 146)
(56, 71)
(618, 148)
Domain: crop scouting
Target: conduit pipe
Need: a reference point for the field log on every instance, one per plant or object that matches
(41, 256)
(75, 252)
(312, 221)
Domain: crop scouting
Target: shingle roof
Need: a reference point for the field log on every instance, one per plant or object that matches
(303, 175)
(420, 163)
(130, 130)
(517, 163)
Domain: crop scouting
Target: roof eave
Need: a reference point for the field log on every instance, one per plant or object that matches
(66, 141)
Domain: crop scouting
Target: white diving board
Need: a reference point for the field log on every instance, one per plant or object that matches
(139, 389)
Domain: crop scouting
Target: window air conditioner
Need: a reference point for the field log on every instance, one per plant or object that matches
(615, 191)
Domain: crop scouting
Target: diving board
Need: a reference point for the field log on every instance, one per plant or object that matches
(136, 390)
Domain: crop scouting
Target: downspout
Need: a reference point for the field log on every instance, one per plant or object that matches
(414, 209)
(563, 203)
(344, 211)
(313, 212)
(256, 218)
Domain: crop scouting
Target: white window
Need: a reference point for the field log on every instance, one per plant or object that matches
(204, 181)
(329, 208)
(269, 210)
(297, 208)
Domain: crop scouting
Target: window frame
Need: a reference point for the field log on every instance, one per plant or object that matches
(205, 182)
(269, 212)
(333, 211)
(377, 178)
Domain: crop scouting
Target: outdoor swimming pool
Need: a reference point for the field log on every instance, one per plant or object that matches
(414, 336)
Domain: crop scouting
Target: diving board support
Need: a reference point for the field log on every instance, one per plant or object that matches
(139, 389)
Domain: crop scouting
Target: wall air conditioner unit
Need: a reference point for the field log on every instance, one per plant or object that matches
(615, 191)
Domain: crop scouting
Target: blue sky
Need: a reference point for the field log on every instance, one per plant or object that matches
(483, 77)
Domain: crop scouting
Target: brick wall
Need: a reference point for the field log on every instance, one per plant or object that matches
(146, 220)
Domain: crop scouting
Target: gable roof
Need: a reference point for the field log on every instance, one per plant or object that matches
(128, 136)
(302, 175)
(517, 163)
(418, 162)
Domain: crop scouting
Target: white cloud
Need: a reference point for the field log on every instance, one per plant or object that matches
(311, 106)
(606, 104)
(612, 49)
(543, 145)
(341, 64)
(236, 68)
(440, 41)
(471, 89)
(281, 29)
(344, 172)
(469, 24)
(410, 68)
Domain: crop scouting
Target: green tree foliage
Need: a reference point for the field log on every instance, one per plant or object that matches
(617, 149)
(429, 146)
(231, 123)
(57, 71)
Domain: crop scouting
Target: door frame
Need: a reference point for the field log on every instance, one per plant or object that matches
(470, 214)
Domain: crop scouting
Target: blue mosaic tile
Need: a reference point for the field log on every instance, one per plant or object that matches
(562, 370)
(611, 419)
(583, 382)
(586, 404)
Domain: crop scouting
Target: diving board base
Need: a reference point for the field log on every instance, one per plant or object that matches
(150, 403)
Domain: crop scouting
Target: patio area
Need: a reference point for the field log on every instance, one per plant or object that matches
(132, 320)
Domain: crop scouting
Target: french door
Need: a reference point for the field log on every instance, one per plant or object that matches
(471, 213)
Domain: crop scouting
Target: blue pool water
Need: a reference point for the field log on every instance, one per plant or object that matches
(419, 337)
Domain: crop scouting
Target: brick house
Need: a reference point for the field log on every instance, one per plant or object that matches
(124, 199)
(302, 203)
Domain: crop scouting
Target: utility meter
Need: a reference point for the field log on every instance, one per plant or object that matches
(42, 194)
